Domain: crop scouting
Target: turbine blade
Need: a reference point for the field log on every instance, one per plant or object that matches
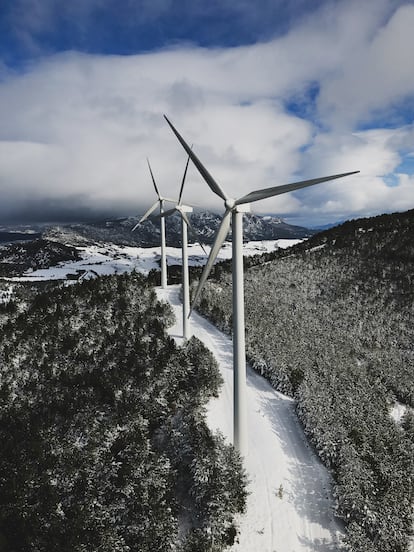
(218, 242)
(153, 180)
(202, 247)
(192, 231)
(277, 190)
(146, 215)
(200, 167)
(182, 183)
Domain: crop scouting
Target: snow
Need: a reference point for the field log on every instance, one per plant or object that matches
(397, 411)
(316, 248)
(300, 517)
(115, 259)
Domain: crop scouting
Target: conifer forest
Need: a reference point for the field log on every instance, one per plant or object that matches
(104, 441)
(330, 322)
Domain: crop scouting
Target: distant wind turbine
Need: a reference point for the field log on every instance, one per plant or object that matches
(234, 209)
(160, 202)
(182, 210)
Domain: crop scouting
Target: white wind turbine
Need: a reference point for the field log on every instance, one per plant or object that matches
(160, 202)
(185, 225)
(234, 209)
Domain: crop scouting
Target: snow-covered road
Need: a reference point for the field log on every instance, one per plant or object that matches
(290, 506)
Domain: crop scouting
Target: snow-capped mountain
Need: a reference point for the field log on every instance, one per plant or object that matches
(205, 224)
(58, 243)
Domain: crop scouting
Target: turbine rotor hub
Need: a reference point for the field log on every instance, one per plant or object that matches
(229, 203)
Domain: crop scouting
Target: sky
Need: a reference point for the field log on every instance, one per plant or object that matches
(268, 92)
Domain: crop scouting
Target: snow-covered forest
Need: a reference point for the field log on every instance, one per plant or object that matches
(102, 415)
(102, 423)
(330, 322)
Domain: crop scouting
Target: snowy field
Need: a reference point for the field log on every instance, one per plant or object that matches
(115, 259)
(290, 506)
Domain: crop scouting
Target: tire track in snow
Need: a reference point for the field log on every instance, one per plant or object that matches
(299, 520)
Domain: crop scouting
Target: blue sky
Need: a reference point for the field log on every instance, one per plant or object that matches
(269, 92)
(30, 28)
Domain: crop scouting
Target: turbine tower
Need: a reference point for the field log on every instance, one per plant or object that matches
(160, 202)
(185, 225)
(234, 209)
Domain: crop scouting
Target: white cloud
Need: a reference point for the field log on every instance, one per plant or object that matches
(79, 126)
(375, 77)
(375, 154)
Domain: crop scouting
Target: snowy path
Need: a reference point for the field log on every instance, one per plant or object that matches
(301, 518)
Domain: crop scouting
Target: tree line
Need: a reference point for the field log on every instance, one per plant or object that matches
(102, 423)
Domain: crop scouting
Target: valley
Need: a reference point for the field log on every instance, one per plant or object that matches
(109, 258)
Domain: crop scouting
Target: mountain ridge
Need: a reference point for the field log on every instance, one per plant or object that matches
(204, 223)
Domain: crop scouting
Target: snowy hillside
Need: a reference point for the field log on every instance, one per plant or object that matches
(330, 323)
(115, 259)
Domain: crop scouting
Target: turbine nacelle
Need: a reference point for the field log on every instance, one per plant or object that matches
(242, 208)
(184, 208)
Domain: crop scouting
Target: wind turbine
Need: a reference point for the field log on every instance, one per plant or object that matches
(234, 209)
(160, 202)
(182, 210)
